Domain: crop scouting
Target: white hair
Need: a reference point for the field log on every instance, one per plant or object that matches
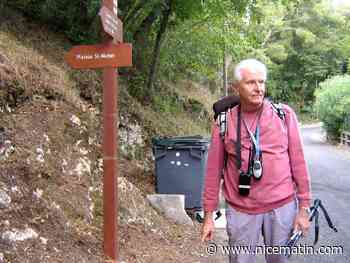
(251, 64)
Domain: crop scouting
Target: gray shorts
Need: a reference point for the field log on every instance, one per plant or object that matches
(245, 229)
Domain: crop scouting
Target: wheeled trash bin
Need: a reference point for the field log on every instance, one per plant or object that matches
(180, 164)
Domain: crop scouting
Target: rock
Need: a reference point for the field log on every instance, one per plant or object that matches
(43, 240)
(134, 208)
(38, 193)
(83, 167)
(5, 199)
(75, 120)
(172, 206)
(18, 235)
(40, 157)
(6, 148)
(131, 138)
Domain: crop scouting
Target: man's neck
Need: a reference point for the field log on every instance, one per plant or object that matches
(251, 108)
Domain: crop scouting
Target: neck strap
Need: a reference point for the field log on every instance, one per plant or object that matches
(255, 138)
(238, 144)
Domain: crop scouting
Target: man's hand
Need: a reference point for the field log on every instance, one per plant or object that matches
(301, 222)
(208, 227)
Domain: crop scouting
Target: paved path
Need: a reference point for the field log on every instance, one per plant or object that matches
(330, 172)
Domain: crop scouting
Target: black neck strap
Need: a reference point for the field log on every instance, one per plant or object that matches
(238, 143)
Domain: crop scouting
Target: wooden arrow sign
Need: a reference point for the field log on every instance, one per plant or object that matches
(100, 56)
(111, 24)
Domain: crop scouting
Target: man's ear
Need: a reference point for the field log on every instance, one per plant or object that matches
(235, 88)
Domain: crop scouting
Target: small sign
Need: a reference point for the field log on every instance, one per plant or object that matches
(100, 56)
(111, 24)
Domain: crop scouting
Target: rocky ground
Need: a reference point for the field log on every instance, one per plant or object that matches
(50, 187)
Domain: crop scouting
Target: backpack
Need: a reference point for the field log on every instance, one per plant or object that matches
(222, 106)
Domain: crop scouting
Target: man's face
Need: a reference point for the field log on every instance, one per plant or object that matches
(251, 88)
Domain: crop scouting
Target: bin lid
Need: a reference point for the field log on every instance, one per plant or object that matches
(196, 140)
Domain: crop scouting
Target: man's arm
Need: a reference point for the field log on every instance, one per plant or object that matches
(299, 172)
(215, 164)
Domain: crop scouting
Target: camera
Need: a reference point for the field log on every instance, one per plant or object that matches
(244, 183)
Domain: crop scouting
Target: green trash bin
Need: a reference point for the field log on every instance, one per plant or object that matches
(180, 164)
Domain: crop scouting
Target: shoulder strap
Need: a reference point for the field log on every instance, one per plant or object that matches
(278, 108)
(222, 123)
(222, 116)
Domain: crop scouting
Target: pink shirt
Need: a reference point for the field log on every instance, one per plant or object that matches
(285, 172)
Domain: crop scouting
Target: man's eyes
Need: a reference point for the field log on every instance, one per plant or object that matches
(252, 82)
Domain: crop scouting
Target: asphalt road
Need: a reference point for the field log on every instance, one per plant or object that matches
(329, 168)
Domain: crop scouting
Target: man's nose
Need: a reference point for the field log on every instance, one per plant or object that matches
(258, 85)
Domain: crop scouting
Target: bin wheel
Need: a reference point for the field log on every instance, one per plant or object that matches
(200, 218)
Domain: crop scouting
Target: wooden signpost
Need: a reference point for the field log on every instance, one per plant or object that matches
(108, 56)
(99, 56)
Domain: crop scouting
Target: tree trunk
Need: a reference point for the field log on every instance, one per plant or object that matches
(224, 71)
(156, 52)
(141, 41)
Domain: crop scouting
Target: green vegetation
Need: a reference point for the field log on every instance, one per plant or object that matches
(333, 104)
(303, 43)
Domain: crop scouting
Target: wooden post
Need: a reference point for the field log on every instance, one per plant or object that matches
(110, 163)
(107, 56)
(110, 152)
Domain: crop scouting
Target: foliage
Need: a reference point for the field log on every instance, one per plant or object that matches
(305, 46)
(76, 18)
(333, 104)
(302, 42)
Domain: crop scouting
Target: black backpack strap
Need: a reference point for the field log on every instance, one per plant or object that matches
(278, 108)
(222, 123)
(238, 143)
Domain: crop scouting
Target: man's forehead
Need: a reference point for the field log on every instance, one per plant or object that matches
(248, 72)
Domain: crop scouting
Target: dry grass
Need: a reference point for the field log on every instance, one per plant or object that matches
(168, 124)
(31, 64)
(197, 92)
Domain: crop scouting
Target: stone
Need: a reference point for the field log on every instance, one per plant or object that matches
(133, 208)
(172, 206)
(15, 235)
(5, 199)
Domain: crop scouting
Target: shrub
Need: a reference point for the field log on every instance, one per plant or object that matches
(333, 104)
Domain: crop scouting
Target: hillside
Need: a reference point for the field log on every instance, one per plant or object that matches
(51, 161)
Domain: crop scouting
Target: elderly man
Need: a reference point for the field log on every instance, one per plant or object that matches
(265, 179)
